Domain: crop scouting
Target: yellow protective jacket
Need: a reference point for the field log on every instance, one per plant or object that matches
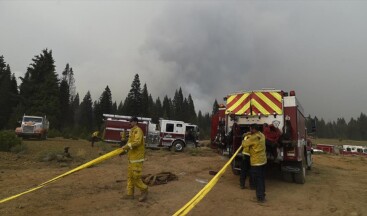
(245, 151)
(95, 134)
(255, 145)
(136, 144)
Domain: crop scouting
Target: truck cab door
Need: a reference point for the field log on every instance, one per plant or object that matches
(179, 128)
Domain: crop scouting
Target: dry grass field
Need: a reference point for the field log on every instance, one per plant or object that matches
(336, 185)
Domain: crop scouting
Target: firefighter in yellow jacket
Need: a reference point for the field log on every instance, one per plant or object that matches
(246, 167)
(254, 144)
(95, 137)
(136, 153)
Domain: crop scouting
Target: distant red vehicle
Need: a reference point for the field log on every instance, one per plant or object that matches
(168, 133)
(326, 148)
(115, 124)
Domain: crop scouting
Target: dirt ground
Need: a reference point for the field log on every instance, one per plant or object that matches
(336, 185)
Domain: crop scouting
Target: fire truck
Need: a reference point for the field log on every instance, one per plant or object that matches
(266, 107)
(168, 133)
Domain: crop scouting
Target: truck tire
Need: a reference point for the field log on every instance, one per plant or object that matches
(300, 178)
(178, 146)
(287, 176)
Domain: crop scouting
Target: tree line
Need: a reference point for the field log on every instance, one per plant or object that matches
(43, 92)
(355, 129)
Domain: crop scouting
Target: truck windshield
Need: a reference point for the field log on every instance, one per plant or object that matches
(30, 119)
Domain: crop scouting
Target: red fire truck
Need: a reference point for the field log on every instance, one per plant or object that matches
(278, 109)
(168, 133)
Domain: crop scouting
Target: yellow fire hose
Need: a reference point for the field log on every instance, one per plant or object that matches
(88, 164)
(199, 196)
(183, 211)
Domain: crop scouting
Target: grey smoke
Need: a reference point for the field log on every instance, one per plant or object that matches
(209, 48)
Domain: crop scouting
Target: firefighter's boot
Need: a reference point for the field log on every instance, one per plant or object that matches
(143, 196)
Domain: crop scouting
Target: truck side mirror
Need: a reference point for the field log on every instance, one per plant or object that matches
(19, 121)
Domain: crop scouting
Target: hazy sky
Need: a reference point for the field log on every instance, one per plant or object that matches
(210, 49)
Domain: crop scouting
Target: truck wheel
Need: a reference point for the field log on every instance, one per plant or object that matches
(300, 178)
(287, 176)
(179, 146)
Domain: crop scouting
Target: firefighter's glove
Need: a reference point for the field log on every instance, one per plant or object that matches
(122, 153)
(125, 148)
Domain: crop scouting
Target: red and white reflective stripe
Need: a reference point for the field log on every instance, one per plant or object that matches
(115, 129)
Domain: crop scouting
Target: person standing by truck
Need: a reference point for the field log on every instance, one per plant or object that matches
(245, 167)
(255, 145)
(95, 138)
(136, 152)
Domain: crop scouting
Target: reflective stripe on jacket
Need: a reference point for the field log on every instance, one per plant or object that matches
(136, 144)
(255, 145)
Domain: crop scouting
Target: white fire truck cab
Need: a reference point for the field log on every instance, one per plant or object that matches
(177, 134)
(168, 133)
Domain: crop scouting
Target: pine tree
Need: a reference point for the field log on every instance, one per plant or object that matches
(6, 104)
(39, 89)
(68, 76)
(133, 103)
(145, 101)
(86, 112)
(353, 130)
(120, 108)
(151, 107)
(178, 105)
(191, 110)
(74, 110)
(341, 128)
(65, 104)
(185, 111)
(97, 114)
(106, 101)
(167, 108)
(362, 125)
(114, 108)
(16, 110)
(157, 111)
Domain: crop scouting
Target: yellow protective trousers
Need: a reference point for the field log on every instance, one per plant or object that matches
(134, 178)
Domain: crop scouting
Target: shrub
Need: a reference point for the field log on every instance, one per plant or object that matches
(49, 155)
(54, 133)
(19, 148)
(8, 140)
(105, 147)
